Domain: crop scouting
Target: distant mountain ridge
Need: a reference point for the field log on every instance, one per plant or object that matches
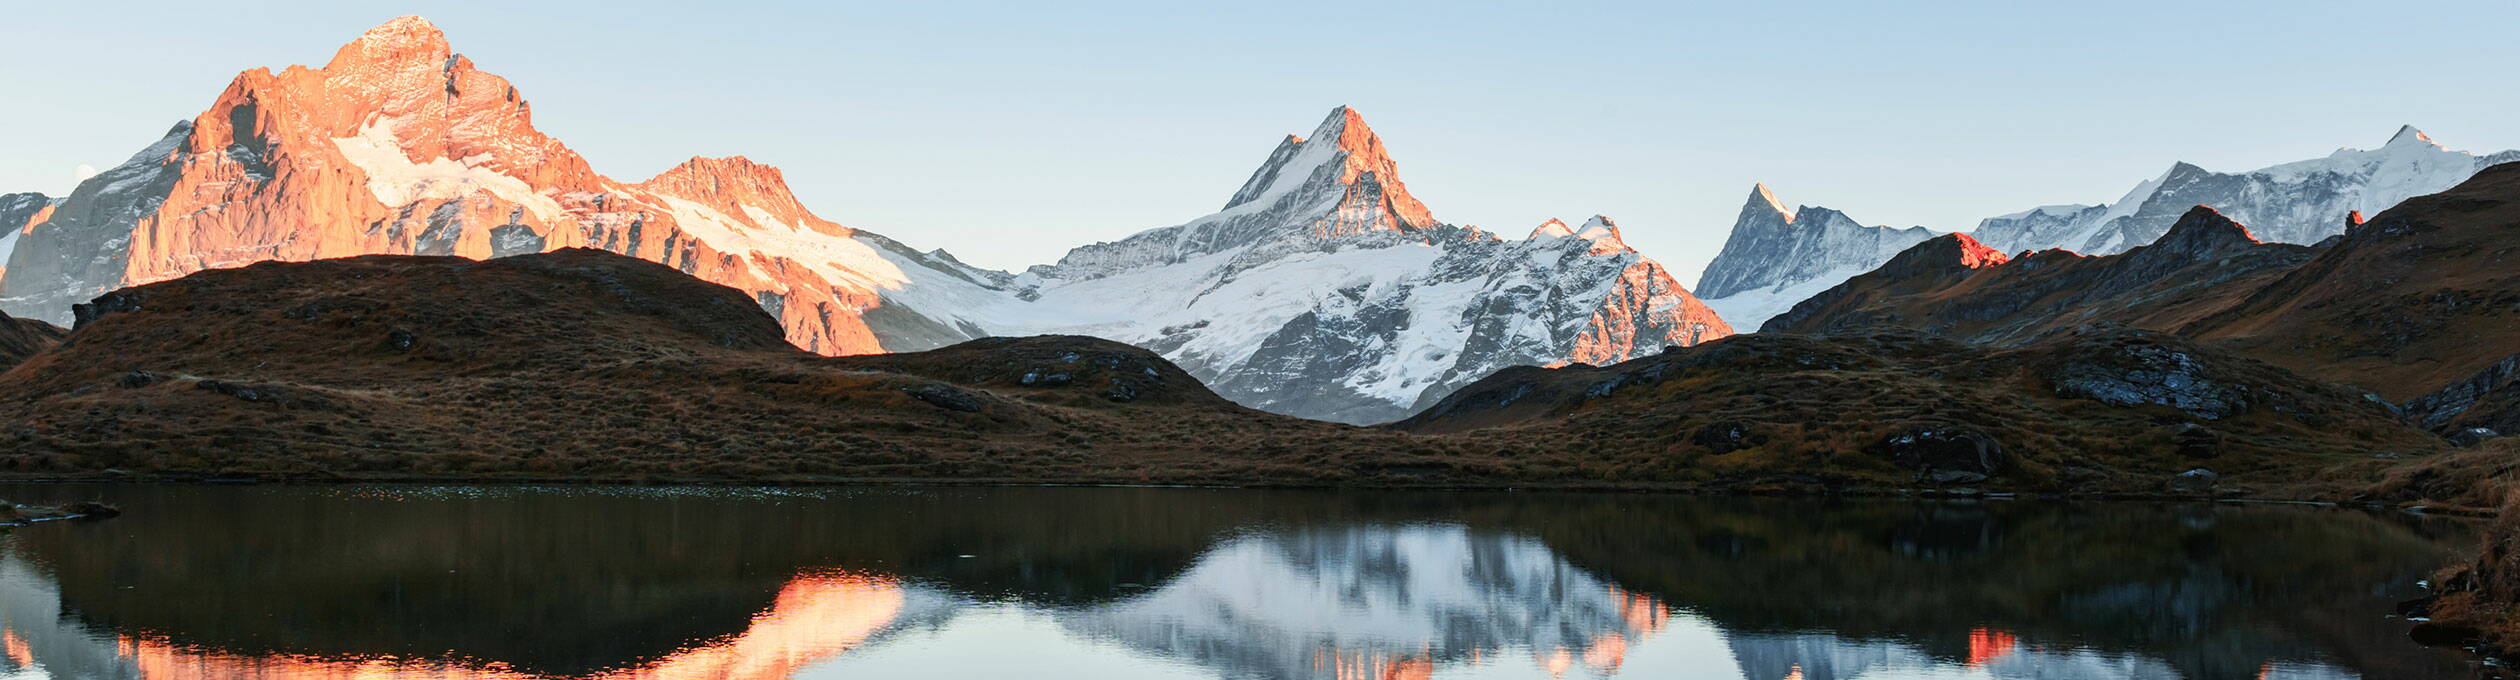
(2419, 306)
(2300, 202)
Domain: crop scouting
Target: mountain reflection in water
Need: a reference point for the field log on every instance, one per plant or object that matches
(623, 583)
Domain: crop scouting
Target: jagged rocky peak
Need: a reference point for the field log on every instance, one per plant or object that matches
(1775, 257)
(736, 185)
(401, 41)
(1763, 205)
(2408, 135)
(1602, 231)
(1342, 152)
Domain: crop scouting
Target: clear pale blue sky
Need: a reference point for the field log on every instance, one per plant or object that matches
(1007, 132)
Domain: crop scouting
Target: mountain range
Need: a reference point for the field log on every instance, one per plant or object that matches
(1775, 258)
(2419, 306)
(1321, 288)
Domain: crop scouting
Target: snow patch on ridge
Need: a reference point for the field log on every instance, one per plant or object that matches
(1750, 309)
(840, 260)
(396, 181)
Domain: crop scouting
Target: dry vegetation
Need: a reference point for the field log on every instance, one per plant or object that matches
(582, 365)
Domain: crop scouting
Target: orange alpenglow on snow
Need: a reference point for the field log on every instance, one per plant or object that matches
(399, 146)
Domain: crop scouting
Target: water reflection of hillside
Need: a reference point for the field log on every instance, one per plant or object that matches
(626, 584)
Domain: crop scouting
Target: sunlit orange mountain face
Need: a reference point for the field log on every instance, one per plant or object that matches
(399, 145)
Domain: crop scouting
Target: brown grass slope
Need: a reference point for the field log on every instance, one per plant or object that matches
(586, 365)
(2422, 295)
(2099, 409)
(2205, 263)
(22, 338)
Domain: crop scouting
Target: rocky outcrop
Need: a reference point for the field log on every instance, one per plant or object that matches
(2483, 406)
(2131, 374)
(1943, 454)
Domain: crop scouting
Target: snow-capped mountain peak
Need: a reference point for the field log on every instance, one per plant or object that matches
(2408, 135)
(1763, 202)
(1554, 228)
(1775, 257)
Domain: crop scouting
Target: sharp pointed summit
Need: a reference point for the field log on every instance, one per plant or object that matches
(1763, 202)
(1343, 155)
(2407, 134)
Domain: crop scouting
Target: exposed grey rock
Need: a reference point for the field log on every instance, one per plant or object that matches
(1936, 450)
(2199, 480)
(945, 397)
(2136, 373)
(2445, 410)
(2472, 436)
(109, 303)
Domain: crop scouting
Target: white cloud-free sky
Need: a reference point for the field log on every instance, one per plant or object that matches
(1008, 132)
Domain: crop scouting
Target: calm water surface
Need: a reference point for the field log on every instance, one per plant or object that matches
(502, 582)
